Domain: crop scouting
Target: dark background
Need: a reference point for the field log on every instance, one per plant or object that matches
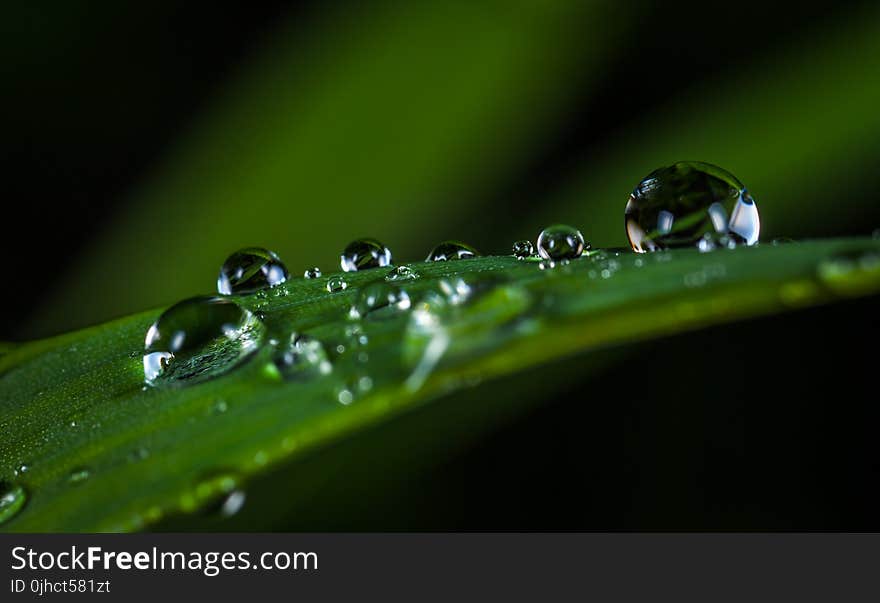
(122, 123)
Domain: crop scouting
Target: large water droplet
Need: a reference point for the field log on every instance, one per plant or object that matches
(302, 357)
(313, 272)
(676, 206)
(523, 249)
(561, 242)
(12, 499)
(380, 300)
(249, 270)
(451, 250)
(199, 338)
(363, 254)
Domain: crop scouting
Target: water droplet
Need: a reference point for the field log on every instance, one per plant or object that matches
(401, 273)
(706, 243)
(561, 242)
(345, 396)
(79, 475)
(675, 206)
(455, 291)
(199, 338)
(380, 300)
(336, 284)
(232, 504)
(12, 499)
(363, 254)
(23, 468)
(303, 357)
(249, 270)
(451, 250)
(523, 249)
(313, 272)
(216, 494)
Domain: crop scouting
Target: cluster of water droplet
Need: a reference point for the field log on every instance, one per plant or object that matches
(685, 204)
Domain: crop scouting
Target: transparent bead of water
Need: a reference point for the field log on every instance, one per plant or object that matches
(363, 254)
(199, 338)
(451, 250)
(302, 357)
(561, 242)
(401, 273)
(313, 272)
(523, 250)
(335, 284)
(379, 300)
(251, 269)
(12, 500)
(676, 206)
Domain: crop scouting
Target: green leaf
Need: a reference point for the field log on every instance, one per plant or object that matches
(92, 449)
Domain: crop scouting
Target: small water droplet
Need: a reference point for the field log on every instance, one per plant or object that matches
(363, 254)
(355, 334)
(561, 242)
(345, 396)
(303, 357)
(401, 273)
(232, 504)
(12, 500)
(336, 284)
(199, 338)
(219, 407)
(251, 269)
(354, 388)
(79, 475)
(706, 243)
(379, 300)
(523, 249)
(216, 494)
(313, 272)
(675, 206)
(451, 250)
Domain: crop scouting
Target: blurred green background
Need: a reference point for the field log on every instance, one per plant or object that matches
(145, 141)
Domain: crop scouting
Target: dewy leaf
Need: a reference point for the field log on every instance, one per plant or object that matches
(87, 447)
